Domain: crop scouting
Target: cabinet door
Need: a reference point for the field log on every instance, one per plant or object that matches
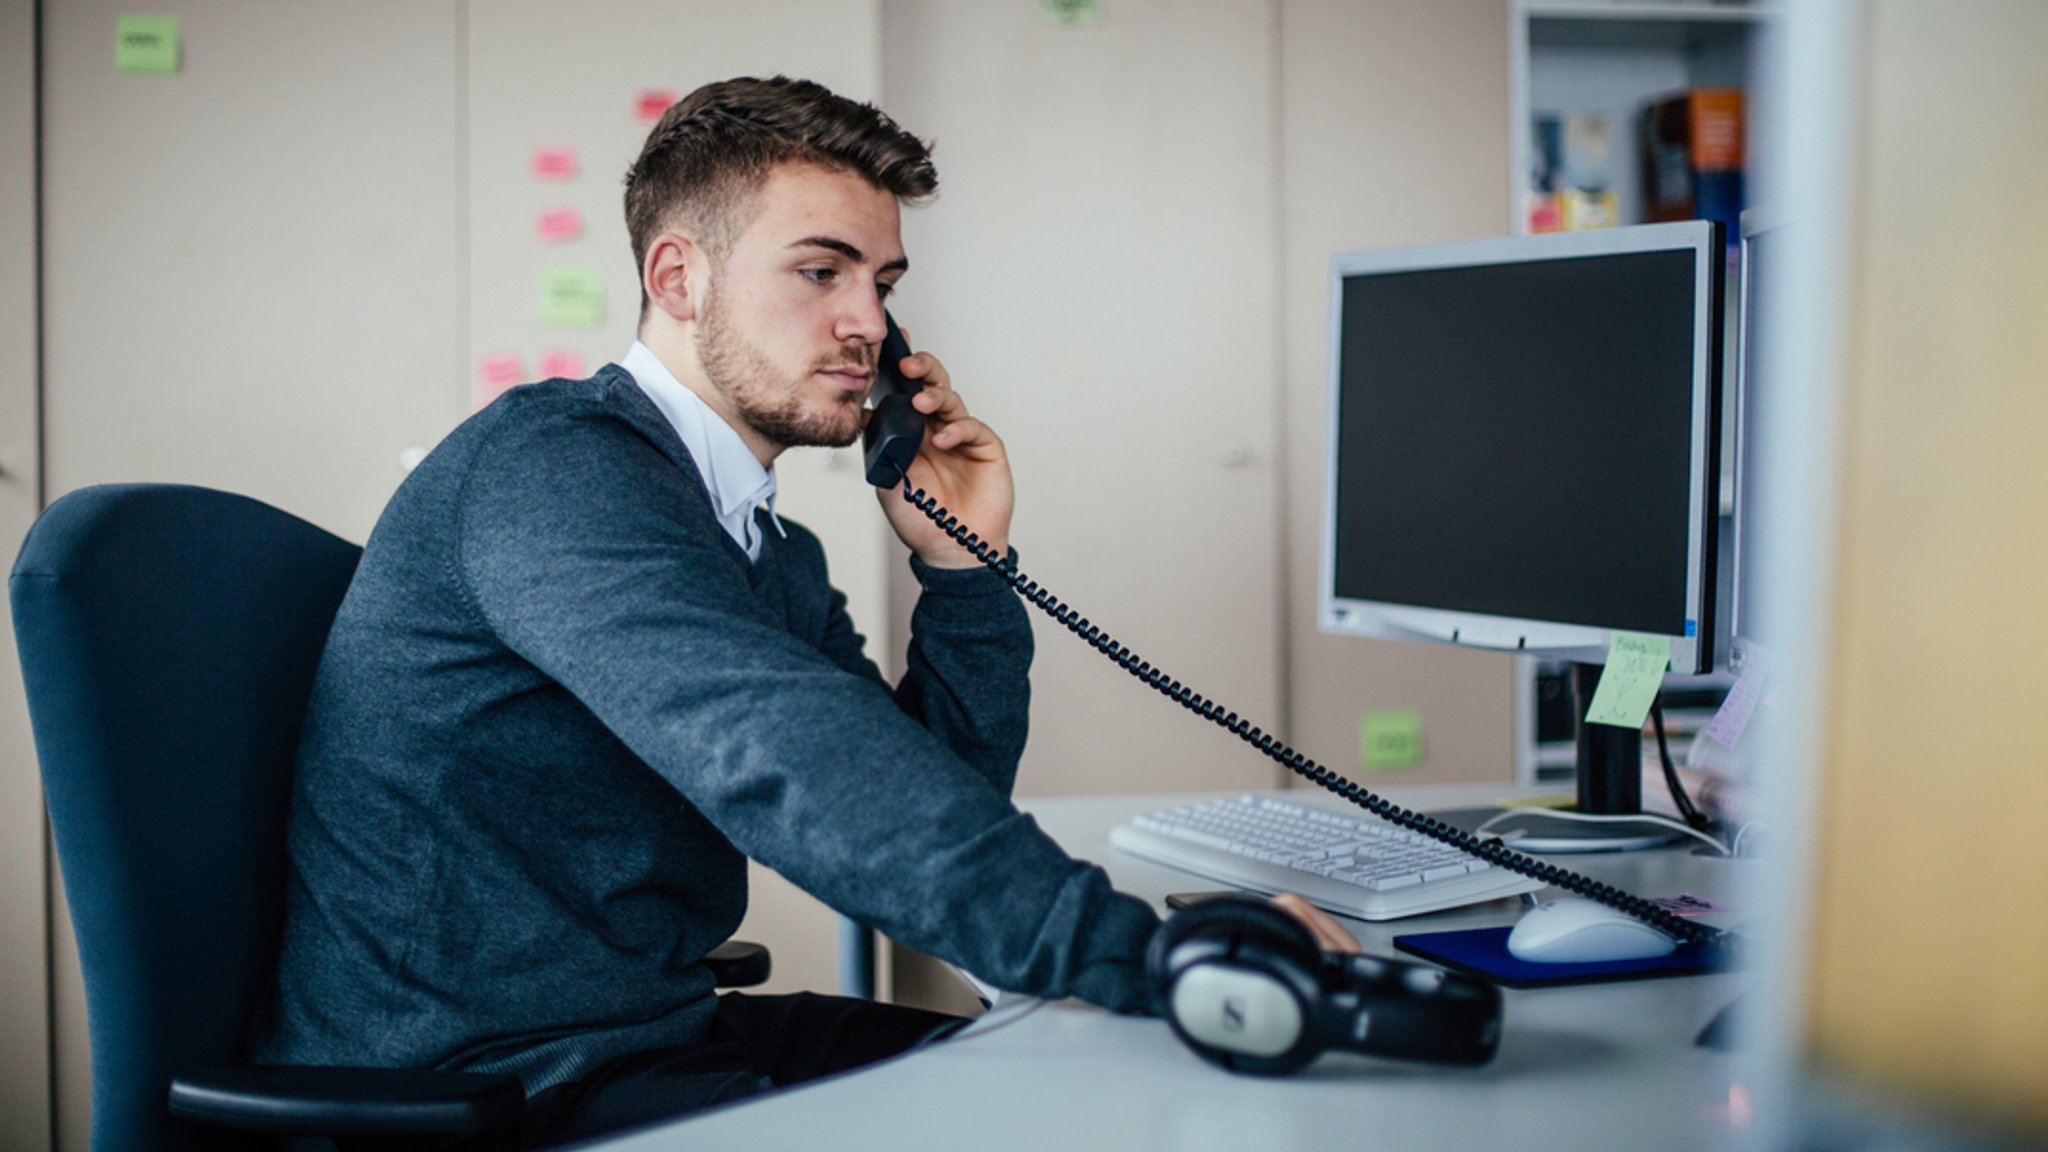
(251, 265)
(24, 894)
(1395, 124)
(1098, 274)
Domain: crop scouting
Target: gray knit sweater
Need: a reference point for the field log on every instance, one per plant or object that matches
(559, 709)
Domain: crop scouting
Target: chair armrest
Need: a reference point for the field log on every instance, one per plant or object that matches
(330, 1101)
(738, 964)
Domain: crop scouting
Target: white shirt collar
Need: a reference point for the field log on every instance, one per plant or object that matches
(733, 476)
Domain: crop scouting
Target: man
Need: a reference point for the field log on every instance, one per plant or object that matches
(584, 672)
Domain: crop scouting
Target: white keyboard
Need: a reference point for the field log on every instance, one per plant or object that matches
(1354, 865)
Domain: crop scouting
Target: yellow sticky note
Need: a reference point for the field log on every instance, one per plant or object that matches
(146, 44)
(1629, 683)
(1390, 740)
(571, 297)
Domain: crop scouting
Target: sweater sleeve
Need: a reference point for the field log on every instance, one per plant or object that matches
(586, 552)
(967, 673)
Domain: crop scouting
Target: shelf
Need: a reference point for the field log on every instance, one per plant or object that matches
(1649, 13)
(1683, 35)
(1611, 59)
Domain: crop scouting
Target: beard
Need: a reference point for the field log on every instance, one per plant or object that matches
(748, 379)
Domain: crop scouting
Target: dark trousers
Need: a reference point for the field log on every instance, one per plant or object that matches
(756, 1044)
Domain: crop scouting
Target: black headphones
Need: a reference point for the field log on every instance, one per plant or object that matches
(1244, 985)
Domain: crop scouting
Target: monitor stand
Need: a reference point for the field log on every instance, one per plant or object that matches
(1610, 772)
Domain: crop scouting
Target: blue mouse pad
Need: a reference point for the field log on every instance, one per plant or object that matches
(1483, 952)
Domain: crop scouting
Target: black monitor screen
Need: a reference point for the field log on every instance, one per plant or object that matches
(1515, 439)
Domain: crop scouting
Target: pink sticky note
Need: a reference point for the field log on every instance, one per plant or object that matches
(555, 225)
(554, 163)
(561, 362)
(650, 103)
(1732, 720)
(496, 373)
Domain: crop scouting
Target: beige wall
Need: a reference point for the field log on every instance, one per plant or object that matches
(1394, 132)
(24, 901)
(1939, 623)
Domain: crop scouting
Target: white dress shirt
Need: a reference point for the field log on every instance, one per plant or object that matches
(737, 482)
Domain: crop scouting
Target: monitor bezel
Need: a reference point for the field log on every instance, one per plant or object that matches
(1576, 642)
(1753, 223)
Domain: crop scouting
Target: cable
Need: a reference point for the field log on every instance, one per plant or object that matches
(1690, 814)
(1593, 818)
(1492, 851)
(992, 1021)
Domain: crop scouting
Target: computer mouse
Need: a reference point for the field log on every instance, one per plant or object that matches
(1580, 931)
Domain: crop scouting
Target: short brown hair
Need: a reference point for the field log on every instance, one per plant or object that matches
(713, 150)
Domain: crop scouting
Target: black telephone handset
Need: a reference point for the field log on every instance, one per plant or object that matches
(895, 430)
(893, 436)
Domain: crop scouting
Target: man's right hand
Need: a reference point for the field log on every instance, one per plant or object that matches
(1330, 935)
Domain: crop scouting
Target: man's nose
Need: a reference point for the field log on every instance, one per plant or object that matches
(862, 320)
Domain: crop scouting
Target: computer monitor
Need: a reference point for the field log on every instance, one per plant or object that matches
(1524, 454)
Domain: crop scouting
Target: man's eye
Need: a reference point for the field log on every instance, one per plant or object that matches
(819, 275)
(884, 291)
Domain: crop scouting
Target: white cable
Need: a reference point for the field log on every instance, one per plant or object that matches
(1735, 849)
(1590, 818)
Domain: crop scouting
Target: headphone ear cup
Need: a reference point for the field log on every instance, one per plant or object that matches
(1222, 916)
(1241, 983)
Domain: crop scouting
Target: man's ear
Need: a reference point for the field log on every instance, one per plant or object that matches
(673, 275)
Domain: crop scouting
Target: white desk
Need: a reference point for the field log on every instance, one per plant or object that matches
(1587, 1067)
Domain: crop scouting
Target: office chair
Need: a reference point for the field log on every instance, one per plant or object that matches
(168, 639)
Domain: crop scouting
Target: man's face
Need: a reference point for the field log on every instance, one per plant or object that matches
(790, 324)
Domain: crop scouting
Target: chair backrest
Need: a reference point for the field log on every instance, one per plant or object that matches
(168, 639)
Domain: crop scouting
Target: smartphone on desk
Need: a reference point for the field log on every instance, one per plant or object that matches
(1182, 901)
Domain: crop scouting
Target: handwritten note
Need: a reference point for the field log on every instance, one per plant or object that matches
(1728, 724)
(146, 44)
(571, 297)
(1390, 740)
(1629, 683)
(554, 163)
(562, 363)
(557, 225)
(650, 103)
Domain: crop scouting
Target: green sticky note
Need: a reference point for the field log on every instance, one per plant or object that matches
(146, 44)
(1629, 683)
(1390, 740)
(571, 298)
(1074, 13)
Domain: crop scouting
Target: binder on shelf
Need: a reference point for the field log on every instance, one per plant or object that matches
(1693, 158)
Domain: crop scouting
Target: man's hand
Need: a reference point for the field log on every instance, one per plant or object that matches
(962, 465)
(1330, 936)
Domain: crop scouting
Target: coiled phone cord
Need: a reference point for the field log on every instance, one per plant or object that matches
(1494, 852)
